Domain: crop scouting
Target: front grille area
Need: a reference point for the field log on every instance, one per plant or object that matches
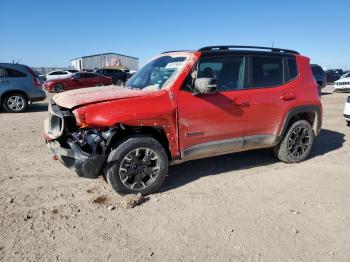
(60, 120)
(342, 83)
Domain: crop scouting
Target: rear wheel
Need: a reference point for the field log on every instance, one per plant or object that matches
(58, 88)
(15, 103)
(296, 144)
(99, 84)
(139, 164)
(119, 82)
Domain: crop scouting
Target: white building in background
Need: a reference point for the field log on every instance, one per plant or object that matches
(105, 60)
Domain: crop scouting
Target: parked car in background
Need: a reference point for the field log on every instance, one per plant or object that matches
(131, 73)
(320, 76)
(19, 85)
(57, 74)
(183, 106)
(119, 77)
(342, 85)
(87, 70)
(77, 80)
(333, 75)
(347, 110)
(346, 74)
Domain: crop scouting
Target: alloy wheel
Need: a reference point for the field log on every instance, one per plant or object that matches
(16, 103)
(139, 168)
(299, 141)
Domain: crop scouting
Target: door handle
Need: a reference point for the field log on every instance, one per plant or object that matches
(288, 96)
(239, 102)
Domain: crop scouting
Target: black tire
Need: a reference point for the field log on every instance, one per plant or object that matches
(296, 144)
(319, 90)
(58, 88)
(127, 174)
(119, 82)
(348, 122)
(99, 84)
(15, 103)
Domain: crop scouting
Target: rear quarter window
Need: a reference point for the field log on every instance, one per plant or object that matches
(14, 73)
(292, 67)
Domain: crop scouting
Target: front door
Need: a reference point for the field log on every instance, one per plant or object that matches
(213, 123)
(2, 79)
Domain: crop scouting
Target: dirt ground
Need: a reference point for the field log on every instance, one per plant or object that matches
(239, 207)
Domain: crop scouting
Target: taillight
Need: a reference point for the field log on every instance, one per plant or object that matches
(36, 79)
(37, 82)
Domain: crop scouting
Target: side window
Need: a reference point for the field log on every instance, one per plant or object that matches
(293, 70)
(14, 73)
(227, 70)
(78, 76)
(267, 71)
(90, 75)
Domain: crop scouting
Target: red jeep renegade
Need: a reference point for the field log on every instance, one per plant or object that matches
(187, 105)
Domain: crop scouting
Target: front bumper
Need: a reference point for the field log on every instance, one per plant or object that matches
(85, 165)
(347, 111)
(38, 97)
(72, 156)
(344, 88)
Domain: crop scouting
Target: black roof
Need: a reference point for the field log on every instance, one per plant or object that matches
(104, 54)
(242, 48)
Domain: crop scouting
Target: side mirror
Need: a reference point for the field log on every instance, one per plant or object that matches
(204, 86)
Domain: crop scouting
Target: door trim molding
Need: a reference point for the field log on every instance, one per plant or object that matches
(227, 146)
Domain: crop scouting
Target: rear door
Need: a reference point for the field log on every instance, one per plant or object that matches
(89, 79)
(15, 79)
(270, 93)
(213, 123)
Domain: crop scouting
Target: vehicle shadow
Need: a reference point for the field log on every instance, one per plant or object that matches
(188, 172)
(326, 93)
(39, 107)
(327, 141)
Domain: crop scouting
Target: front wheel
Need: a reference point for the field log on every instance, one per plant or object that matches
(139, 164)
(296, 144)
(15, 103)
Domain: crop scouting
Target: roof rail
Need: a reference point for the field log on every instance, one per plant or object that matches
(171, 51)
(227, 47)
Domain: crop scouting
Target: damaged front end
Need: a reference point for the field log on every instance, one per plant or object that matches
(82, 150)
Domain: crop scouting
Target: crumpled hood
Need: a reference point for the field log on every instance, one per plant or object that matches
(83, 96)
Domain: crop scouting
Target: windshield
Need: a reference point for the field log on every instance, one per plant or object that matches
(158, 72)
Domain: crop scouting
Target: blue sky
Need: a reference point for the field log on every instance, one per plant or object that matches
(50, 33)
